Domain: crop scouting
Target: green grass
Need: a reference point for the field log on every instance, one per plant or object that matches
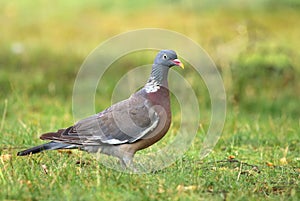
(260, 143)
(255, 48)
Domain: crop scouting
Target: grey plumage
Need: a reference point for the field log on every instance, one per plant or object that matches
(125, 127)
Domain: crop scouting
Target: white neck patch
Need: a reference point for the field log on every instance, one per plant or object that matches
(152, 86)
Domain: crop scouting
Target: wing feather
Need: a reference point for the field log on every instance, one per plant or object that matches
(123, 122)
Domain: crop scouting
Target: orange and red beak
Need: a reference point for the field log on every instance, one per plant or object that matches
(177, 62)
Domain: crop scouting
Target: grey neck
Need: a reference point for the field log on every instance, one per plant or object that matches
(158, 79)
(160, 75)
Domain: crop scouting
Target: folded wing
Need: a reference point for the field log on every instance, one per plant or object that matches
(124, 122)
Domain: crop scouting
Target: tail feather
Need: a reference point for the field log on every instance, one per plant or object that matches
(48, 146)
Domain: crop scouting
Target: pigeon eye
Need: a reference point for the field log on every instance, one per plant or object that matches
(165, 56)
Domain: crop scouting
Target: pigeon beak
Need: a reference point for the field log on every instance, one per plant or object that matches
(177, 62)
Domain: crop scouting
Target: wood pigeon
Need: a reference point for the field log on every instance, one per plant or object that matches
(125, 127)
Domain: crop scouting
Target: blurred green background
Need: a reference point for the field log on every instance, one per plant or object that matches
(254, 43)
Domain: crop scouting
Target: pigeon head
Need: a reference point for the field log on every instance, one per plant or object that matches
(163, 61)
(167, 58)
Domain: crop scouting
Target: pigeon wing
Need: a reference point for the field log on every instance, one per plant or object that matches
(123, 122)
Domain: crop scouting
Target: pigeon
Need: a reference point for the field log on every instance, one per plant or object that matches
(125, 127)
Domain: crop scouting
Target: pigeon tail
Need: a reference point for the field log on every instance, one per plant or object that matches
(48, 146)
